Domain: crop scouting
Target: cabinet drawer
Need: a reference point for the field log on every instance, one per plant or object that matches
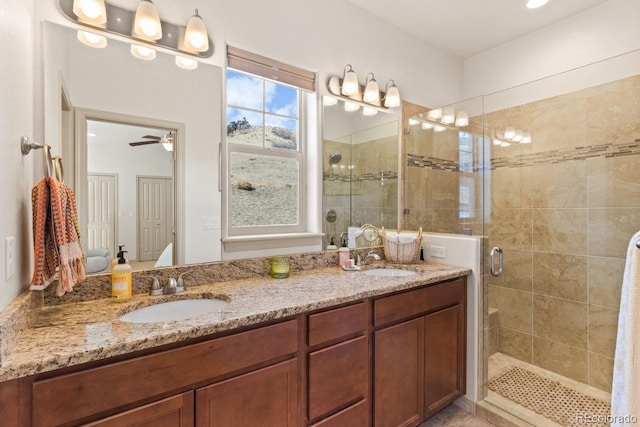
(354, 416)
(337, 323)
(338, 375)
(413, 303)
(75, 396)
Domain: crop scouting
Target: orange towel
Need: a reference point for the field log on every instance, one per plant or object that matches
(56, 236)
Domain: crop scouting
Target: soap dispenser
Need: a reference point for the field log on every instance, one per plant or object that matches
(120, 254)
(121, 289)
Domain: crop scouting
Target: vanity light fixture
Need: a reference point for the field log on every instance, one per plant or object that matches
(511, 134)
(92, 39)
(143, 52)
(534, 4)
(371, 90)
(186, 63)
(91, 12)
(462, 119)
(147, 21)
(435, 114)
(392, 95)
(368, 111)
(350, 85)
(196, 38)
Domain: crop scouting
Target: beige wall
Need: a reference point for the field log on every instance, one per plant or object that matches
(563, 209)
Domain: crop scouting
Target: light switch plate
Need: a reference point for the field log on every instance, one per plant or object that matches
(9, 257)
(438, 251)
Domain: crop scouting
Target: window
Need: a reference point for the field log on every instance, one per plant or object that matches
(265, 147)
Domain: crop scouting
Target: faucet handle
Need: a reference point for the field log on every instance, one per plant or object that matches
(181, 286)
(171, 287)
(155, 285)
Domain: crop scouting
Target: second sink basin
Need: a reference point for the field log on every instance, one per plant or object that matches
(174, 310)
(389, 272)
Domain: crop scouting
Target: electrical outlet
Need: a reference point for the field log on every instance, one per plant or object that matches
(438, 251)
(210, 222)
(9, 257)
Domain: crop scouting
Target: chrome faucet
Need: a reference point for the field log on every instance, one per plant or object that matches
(173, 286)
(368, 259)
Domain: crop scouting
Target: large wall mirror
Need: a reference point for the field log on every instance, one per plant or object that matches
(360, 172)
(98, 104)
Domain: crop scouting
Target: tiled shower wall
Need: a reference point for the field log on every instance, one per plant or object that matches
(563, 209)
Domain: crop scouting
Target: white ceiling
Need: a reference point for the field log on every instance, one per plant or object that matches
(468, 27)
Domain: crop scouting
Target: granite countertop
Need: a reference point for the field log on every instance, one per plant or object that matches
(71, 334)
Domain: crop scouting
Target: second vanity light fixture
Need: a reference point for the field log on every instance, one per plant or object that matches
(370, 93)
(143, 28)
(441, 119)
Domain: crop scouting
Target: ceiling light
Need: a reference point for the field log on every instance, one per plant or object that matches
(186, 63)
(90, 11)
(462, 119)
(147, 21)
(413, 122)
(350, 85)
(329, 100)
(510, 132)
(439, 128)
(392, 96)
(351, 106)
(526, 138)
(427, 126)
(143, 52)
(371, 90)
(92, 39)
(368, 111)
(534, 4)
(195, 37)
(435, 114)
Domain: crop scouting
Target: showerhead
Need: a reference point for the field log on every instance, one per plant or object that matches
(334, 159)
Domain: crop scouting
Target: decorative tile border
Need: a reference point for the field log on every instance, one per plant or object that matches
(369, 176)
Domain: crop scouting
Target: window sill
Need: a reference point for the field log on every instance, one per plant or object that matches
(271, 241)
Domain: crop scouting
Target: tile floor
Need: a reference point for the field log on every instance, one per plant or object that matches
(453, 416)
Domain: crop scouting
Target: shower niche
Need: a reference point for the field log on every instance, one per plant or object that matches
(360, 170)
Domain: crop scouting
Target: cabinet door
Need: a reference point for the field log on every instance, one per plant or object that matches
(264, 398)
(175, 411)
(445, 363)
(399, 374)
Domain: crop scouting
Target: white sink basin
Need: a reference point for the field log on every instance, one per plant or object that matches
(174, 310)
(389, 272)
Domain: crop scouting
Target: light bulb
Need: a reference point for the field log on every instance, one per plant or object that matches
(368, 111)
(497, 142)
(509, 132)
(350, 85)
(526, 138)
(142, 52)
(90, 11)
(518, 136)
(435, 114)
(462, 119)
(439, 128)
(351, 106)
(392, 95)
(534, 4)
(413, 122)
(427, 126)
(448, 115)
(92, 39)
(504, 144)
(195, 36)
(371, 91)
(147, 21)
(329, 100)
(186, 63)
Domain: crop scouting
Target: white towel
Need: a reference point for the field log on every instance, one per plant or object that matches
(625, 394)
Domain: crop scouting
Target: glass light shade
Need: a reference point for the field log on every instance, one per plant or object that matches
(526, 138)
(392, 97)
(462, 119)
(518, 136)
(371, 91)
(90, 11)
(186, 63)
(329, 100)
(435, 114)
(534, 4)
(427, 126)
(196, 38)
(510, 132)
(147, 21)
(350, 85)
(168, 146)
(448, 115)
(368, 111)
(92, 39)
(439, 128)
(143, 52)
(351, 106)
(413, 122)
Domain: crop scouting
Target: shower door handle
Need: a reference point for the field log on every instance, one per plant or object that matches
(494, 251)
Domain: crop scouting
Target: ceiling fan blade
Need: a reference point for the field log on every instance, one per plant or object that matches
(133, 144)
(152, 137)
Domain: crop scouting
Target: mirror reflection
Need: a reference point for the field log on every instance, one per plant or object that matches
(130, 200)
(360, 174)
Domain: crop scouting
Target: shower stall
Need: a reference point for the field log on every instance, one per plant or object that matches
(551, 185)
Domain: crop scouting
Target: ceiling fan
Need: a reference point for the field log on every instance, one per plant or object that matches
(166, 140)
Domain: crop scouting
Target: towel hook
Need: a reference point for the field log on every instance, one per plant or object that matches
(26, 145)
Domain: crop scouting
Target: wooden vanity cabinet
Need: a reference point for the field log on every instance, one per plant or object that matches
(419, 353)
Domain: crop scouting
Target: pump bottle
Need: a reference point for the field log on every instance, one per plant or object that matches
(121, 280)
(120, 253)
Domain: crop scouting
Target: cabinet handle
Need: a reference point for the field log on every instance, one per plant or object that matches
(494, 251)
